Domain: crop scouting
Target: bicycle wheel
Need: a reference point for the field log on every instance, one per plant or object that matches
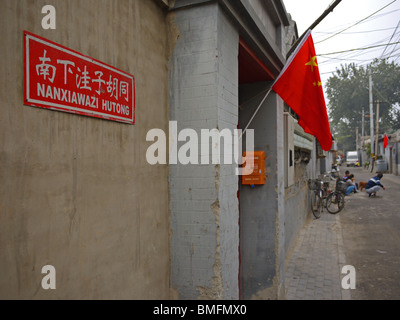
(316, 205)
(335, 202)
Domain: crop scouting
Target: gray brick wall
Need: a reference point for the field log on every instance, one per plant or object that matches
(262, 207)
(228, 117)
(203, 198)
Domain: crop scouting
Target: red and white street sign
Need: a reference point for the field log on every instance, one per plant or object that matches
(59, 78)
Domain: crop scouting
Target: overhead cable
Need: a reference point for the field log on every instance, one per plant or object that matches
(356, 23)
(354, 32)
(357, 49)
(338, 28)
(391, 39)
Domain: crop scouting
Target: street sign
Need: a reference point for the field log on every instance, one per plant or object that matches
(59, 78)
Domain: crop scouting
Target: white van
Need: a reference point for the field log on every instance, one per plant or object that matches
(351, 158)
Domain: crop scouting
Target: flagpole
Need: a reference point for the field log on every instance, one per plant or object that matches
(255, 113)
(316, 22)
(288, 62)
(292, 49)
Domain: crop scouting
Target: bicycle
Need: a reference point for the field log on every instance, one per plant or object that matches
(322, 196)
(335, 200)
(321, 190)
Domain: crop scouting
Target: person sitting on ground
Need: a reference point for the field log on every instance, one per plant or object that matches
(374, 185)
(351, 185)
(346, 175)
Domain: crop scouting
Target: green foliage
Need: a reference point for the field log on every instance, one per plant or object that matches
(368, 150)
(348, 94)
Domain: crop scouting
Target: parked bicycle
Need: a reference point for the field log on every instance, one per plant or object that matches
(319, 193)
(322, 196)
(335, 201)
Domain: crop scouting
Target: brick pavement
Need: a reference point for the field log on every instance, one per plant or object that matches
(314, 267)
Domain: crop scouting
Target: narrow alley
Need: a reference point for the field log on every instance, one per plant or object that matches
(364, 235)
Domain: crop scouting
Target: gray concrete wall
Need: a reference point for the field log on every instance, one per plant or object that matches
(264, 15)
(204, 206)
(228, 118)
(271, 216)
(326, 163)
(77, 192)
(262, 208)
(395, 158)
(271, 19)
(297, 205)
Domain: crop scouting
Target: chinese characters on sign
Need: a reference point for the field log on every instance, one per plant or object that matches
(61, 79)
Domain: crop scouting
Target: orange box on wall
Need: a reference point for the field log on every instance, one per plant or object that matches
(254, 174)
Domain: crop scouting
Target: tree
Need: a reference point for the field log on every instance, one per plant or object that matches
(348, 94)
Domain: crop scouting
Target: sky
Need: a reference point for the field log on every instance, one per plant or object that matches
(369, 29)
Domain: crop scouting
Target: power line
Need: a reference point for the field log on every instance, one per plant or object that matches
(331, 7)
(355, 32)
(356, 23)
(355, 55)
(391, 39)
(383, 41)
(382, 97)
(394, 49)
(334, 60)
(358, 49)
(365, 62)
(352, 23)
(328, 72)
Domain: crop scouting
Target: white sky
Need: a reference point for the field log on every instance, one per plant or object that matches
(376, 30)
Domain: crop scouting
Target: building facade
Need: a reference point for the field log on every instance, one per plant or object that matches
(80, 194)
(231, 240)
(77, 193)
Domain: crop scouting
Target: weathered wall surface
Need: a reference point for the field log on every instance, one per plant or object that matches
(297, 205)
(259, 8)
(262, 208)
(228, 118)
(77, 192)
(204, 207)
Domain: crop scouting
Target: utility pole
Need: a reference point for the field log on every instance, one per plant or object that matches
(371, 113)
(377, 128)
(362, 136)
(362, 129)
(357, 148)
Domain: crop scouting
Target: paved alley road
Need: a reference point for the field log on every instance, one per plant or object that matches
(365, 235)
(371, 238)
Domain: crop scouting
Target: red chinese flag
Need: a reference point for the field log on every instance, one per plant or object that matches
(386, 141)
(299, 85)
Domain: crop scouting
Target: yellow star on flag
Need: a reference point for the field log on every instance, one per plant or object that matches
(319, 84)
(312, 63)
